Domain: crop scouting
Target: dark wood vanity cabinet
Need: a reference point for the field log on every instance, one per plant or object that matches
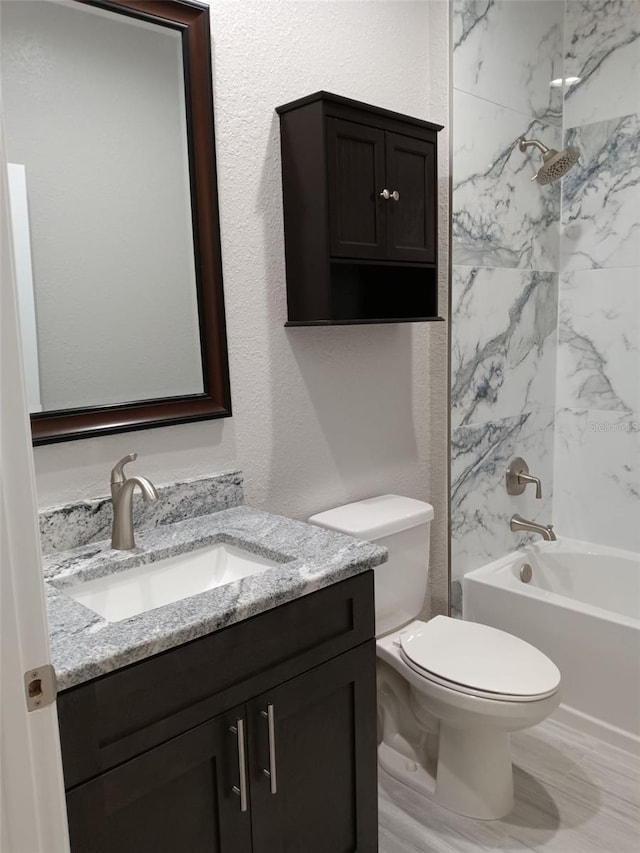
(172, 798)
(360, 212)
(260, 738)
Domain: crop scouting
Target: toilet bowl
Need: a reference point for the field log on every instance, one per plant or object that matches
(449, 692)
(470, 706)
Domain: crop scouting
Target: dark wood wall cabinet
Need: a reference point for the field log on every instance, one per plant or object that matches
(259, 738)
(360, 213)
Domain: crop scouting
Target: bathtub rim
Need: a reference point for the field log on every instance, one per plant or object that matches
(488, 575)
(486, 578)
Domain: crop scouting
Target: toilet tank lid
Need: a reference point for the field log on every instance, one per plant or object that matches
(376, 517)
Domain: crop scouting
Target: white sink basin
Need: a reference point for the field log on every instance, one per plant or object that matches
(134, 591)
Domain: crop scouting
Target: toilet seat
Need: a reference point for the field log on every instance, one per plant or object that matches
(471, 691)
(478, 660)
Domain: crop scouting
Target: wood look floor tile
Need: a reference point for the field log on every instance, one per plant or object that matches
(573, 826)
(613, 770)
(428, 826)
(574, 794)
(550, 751)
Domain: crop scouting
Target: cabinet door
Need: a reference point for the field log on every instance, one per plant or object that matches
(322, 751)
(411, 220)
(357, 216)
(175, 798)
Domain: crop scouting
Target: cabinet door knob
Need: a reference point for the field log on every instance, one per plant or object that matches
(395, 195)
(238, 730)
(385, 194)
(271, 772)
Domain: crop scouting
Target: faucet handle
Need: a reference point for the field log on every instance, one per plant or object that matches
(518, 476)
(117, 472)
(529, 478)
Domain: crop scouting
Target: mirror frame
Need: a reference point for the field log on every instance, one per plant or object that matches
(192, 20)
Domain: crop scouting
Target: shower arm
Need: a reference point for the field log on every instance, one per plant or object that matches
(523, 144)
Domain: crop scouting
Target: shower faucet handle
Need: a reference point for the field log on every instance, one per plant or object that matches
(525, 479)
(518, 477)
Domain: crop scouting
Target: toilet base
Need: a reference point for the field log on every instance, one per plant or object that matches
(407, 771)
(474, 776)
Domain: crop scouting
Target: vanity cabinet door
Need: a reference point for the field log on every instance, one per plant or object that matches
(322, 750)
(175, 798)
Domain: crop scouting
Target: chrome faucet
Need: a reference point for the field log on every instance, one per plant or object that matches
(122, 489)
(518, 523)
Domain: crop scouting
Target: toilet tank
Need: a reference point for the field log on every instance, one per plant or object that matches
(403, 526)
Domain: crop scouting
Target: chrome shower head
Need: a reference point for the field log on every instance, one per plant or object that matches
(555, 164)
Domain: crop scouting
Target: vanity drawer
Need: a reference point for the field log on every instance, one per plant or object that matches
(113, 718)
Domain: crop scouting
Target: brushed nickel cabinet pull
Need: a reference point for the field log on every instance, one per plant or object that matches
(271, 772)
(238, 730)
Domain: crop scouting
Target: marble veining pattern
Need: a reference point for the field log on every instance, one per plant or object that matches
(508, 53)
(499, 217)
(599, 340)
(601, 196)
(455, 599)
(602, 48)
(597, 477)
(84, 645)
(503, 343)
(76, 524)
(480, 506)
(502, 378)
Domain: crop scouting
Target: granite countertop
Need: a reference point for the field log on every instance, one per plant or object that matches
(84, 645)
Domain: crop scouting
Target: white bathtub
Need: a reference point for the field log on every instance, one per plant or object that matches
(582, 609)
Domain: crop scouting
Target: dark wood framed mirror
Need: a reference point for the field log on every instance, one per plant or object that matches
(143, 407)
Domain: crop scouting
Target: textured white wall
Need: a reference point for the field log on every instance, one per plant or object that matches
(321, 415)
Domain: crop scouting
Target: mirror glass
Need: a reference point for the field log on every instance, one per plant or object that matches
(104, 205)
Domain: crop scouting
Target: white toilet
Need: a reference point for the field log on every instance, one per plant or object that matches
(449, 692)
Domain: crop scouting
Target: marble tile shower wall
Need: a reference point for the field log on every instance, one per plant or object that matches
(506, 251)
(597, 443)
